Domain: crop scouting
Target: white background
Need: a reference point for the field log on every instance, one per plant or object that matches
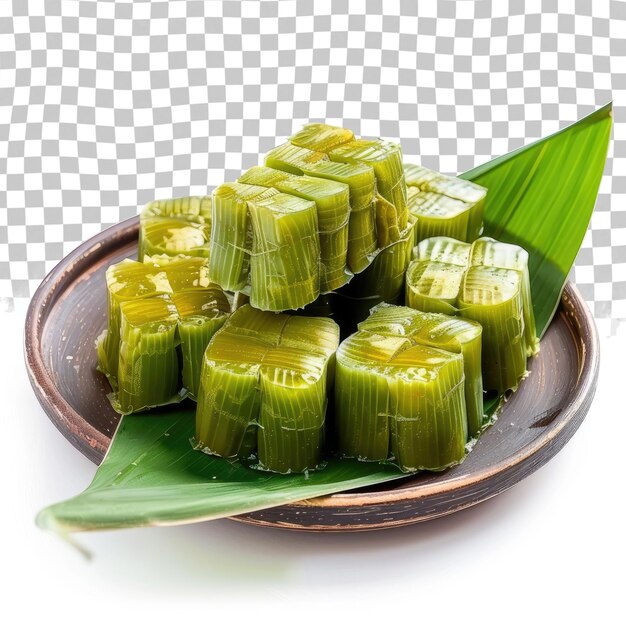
(552, 549)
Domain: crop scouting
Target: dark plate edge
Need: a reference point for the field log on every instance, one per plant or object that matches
(91, 442)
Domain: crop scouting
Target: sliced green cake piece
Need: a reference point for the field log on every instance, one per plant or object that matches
(127, 280)
(282, 247)
(362, 233)
(437, 215)
(427, 409)
(148, 372)
(361, 180)
(444, 205)
(362, 411)
(488, 252)
(386, 159)
(201, 314)
(486, 281)
(434, 286)
(400, 398)
(285, 258)
(453, 334)
(178, 226)
(359, 177)
(332, 200)
(147, 301)
(264, 389)
(372, 169)
(493, 297)
(231, 239)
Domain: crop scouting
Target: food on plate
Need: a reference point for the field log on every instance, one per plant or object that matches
(161, 316)
(444, 205)
(317, 239)
(486, 281)
(264, 389)
(406, 382)
(178, 226)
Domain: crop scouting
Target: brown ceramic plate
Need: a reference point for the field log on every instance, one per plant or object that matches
(68, 311)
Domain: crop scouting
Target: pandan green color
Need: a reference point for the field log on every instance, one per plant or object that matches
(444, 250)
(263, 389)
(332, 200)
(488, 252)
(433, 280)
(201, 314)
(186, 274)
(493, 297)
(179, 226)
(127, 280)
(321, 137)
(400, 398)
(148, 371)
(386, 159)
(285, 258)
(434, 286)
(282, 248)
(293, 159)
(362, 231)
(320, 150)
(446, 332)
(231, 239)
(361, 181)
(486, 281)
(444, 205)
(167, 311)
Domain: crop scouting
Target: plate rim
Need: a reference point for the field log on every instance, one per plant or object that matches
(72, 425)
(94, 444)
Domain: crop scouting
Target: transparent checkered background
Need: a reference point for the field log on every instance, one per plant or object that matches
(107, 105)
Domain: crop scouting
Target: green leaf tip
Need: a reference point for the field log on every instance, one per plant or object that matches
(541, 197)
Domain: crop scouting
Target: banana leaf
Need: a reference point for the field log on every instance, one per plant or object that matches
(540, 197)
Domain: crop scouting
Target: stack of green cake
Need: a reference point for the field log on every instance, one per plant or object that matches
(322, 233)
(319, 212)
